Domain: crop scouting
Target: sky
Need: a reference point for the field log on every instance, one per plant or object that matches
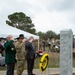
(46, 15)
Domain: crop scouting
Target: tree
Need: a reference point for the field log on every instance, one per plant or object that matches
(57, 36)
(41, 34)
(21, 21)
(50, 34)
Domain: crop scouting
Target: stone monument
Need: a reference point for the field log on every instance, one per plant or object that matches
(66, 46)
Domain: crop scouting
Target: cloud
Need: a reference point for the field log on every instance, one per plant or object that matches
(8, 7)
(55, 21)
(60, 5)
(2, 5)
(45, 14)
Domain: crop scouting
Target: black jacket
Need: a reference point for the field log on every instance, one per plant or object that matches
(30, 50)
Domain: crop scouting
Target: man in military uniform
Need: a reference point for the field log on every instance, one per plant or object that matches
(20, 54)
(10, 52)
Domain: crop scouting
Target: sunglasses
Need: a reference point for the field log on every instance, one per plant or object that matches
(21, 38)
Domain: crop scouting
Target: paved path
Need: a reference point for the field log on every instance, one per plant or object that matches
(50, 71)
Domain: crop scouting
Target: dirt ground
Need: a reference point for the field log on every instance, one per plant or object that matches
(38, 72)
(50, 71)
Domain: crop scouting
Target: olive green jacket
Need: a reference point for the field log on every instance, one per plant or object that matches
(20, 50)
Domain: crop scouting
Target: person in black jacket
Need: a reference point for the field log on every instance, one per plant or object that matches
(30, 55)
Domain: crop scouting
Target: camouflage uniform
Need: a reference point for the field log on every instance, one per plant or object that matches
(20, 56)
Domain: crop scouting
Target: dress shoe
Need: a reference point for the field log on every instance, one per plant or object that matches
(33, 74)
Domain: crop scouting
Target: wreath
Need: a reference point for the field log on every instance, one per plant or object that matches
(44, 62)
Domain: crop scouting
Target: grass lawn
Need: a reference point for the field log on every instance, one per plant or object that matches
(54, 61)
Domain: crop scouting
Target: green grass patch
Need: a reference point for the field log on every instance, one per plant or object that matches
(54, 62)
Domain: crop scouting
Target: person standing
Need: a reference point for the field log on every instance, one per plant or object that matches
(1, 49)
(43, 44)
(30, 55)
(20, 54)
(10, 52)
(49, 44)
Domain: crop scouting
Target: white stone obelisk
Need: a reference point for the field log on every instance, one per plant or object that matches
(66, 46)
